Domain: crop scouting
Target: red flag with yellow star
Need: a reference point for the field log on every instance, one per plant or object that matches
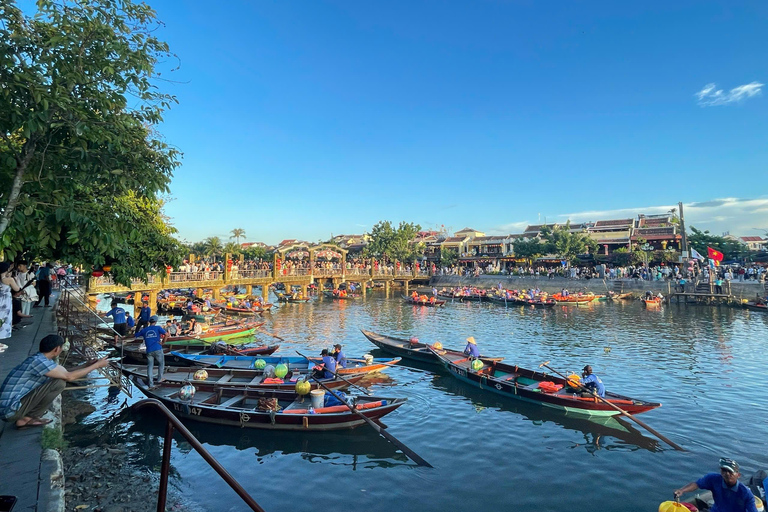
(714, 255)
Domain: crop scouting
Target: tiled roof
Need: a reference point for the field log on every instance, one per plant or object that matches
(613, 222)
(453, 239)
(489, 239)
(751, 239)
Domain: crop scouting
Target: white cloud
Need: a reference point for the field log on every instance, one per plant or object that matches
(512, 227)
(735, 215)
(711, 96)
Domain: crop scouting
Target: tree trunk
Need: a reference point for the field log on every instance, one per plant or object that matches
(13, 198)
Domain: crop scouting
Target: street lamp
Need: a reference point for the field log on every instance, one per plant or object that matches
(646, 248)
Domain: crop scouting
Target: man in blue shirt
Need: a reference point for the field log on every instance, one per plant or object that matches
(592, 382)
(118, 315)
(729, 494)
(153, 340)
(144, 315)
(329, 364)
(31, 387)
(471, 349)
(341, 359)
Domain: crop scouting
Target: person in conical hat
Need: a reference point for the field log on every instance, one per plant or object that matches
(471, 349)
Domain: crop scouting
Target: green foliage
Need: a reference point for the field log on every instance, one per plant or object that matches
(559, 240)
(623, 256)
(448, 257)
(395, 244)
(232, 248)
(237, 234)
(78, 149)
(528, 248)
(213, 247)
(53, 439)
(255, 252)
(700, 240)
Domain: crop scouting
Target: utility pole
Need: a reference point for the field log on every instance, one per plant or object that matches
(682, 232)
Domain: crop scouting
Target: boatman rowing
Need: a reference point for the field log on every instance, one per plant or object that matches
(729, 494)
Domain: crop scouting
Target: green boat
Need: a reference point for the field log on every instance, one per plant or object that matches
(215, 336)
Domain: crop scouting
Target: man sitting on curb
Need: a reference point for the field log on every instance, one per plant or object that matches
(32, 386)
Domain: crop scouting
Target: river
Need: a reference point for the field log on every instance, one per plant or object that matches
(706, 365)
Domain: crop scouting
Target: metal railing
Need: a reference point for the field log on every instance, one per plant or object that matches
(173, 423)
(185, 277)
(251, 274)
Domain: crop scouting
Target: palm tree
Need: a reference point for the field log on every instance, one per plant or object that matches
(237, 233)
(213, 246)
(232, 248)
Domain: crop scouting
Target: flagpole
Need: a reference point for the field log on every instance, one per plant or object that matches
(684, 250)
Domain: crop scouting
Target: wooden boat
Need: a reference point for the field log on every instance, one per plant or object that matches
(354, 366)
(227, 333)
(404, 348)
(522, 301)
(756, 307)
(577, 300)
(428, 303)
(291, 300)
(349, 296)
(522, 384)
(233, 378)
(239, 407)
(623, 296)
(233, 310)
(136, 352)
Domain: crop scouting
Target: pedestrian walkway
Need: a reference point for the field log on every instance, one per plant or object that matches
(23, 473)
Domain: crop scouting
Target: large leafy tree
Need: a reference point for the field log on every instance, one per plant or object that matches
(255, 252)
(566, 244)
(79, 157)
(700, 240)
(449, 257)
(528, 248)
(232, 248)
(394, 243)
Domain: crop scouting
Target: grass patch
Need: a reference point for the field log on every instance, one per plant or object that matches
(53, 438)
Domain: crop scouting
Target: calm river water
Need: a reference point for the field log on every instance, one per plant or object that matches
(706, 365)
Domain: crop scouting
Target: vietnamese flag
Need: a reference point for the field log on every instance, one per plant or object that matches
(714, 255)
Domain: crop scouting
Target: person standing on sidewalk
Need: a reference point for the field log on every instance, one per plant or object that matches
(44, 284)
(31, 387)
(29, 293)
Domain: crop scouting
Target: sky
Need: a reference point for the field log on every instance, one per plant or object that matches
(308, 119)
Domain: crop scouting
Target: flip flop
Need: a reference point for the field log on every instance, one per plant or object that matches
(38, 422)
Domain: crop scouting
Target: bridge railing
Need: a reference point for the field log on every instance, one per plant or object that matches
(251, 274)
(108, 281)
(403, 273)
(383, 272)
(187, 277)
(323, 272)
(358, 272)
(293, 272)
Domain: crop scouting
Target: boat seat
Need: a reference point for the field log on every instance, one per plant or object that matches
(232, 401)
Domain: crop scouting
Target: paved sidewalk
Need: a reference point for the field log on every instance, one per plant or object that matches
(22, 472)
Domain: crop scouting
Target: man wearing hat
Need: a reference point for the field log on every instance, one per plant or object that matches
(341, 359)
(729, 494)
(471, 349)
(153, 336)
(592, 382)
(329, 364)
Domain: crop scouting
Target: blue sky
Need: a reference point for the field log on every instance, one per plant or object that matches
(310, 118)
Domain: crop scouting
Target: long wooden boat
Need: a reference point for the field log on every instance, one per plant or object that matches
(354, 366)
(136, 352)
(291, 300)
(756, 307)
(233, 378)
(248, 408)
(404, 348)
(473, 297)
(577, 300)
(349, 296)
(522, 301)
(519, 383)
(428, 303)
(232, 310)
(211, 335)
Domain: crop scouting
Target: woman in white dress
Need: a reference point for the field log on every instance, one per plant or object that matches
(7, 285)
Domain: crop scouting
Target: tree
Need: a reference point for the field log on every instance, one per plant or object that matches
(567, 245)
(255, 252)
(448, 257)
(232, 248)
(237, 233)
(395, 244)
(213, 247)
(529, 248)
(78, 108)
(700, 240)
(623, 256)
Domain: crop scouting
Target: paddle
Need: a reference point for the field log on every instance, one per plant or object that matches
(339, 376)
(386, 435)
(271, 334)
(614, 406)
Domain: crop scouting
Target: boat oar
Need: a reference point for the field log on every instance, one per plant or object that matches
(621, 411)
(271, 334)
(382, 432)
(339, 376)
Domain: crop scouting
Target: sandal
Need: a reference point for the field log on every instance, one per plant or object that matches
(34, 422)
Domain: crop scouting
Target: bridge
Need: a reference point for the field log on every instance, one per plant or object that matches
(301, 277)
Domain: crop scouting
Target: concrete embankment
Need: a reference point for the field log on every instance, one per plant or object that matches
(746, 290)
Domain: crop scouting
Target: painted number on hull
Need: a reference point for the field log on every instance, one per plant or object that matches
(459, 371)
(192, 410)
